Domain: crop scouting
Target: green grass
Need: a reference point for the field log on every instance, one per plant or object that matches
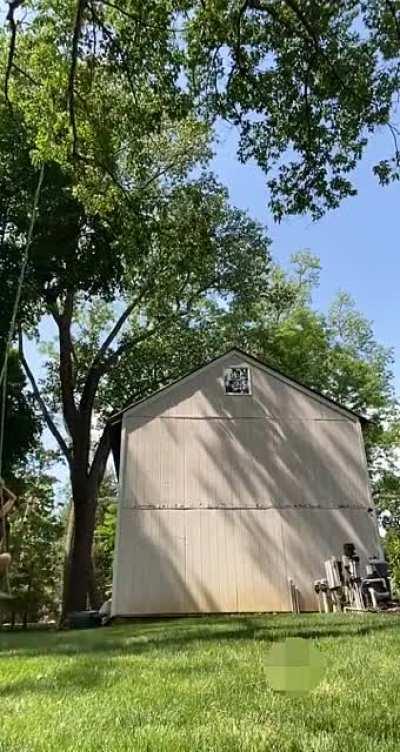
(200, 685)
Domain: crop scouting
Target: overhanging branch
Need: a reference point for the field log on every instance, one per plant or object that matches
(100, 364)
(36, 392)
(80, 8)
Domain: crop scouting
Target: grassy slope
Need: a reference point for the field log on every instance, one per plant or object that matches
(199, 684)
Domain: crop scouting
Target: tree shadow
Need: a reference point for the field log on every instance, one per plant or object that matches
(164, 636)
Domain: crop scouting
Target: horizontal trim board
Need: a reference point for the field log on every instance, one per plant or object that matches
(183, 508)
(203, 614)
(266, 418)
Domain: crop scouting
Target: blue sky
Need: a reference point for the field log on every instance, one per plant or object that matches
(357, 243)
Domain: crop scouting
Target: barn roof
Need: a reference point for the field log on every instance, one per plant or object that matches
(115, 420)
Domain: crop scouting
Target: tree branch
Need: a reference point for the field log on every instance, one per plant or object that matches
(117, 328)
(63, 321)
(96, 370)
(114, 42)
(160, 328)
(80, 8)
(46, 415)
(12, 7)
(139, 18)
(25, 74)
(393, 13)
(126, 346)
(264, 7)
(99, 365)
(100, 458)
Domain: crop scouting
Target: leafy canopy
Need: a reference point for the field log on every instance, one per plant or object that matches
(122, 93)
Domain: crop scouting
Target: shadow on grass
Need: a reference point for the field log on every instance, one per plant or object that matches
(95, 650)
(144, 637)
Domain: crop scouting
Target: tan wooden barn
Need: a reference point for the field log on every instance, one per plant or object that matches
(233, 480)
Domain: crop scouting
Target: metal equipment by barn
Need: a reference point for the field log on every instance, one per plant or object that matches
(345, 589)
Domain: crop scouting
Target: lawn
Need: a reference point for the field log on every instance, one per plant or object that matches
(200, 685)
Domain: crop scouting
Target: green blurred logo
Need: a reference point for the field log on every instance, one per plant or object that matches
(295, 666)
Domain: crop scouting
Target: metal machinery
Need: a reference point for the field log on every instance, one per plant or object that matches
(344, 589)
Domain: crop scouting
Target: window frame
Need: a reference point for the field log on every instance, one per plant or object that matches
(249, 381)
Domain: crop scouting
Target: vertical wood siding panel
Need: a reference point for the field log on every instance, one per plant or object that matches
(169, 563)
(193, 564)
(243, 567)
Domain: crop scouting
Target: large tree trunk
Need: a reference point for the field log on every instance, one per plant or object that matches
(69, 537)
(95, 599)
(78, 578)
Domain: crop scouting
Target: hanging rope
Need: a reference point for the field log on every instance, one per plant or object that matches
(5, 505)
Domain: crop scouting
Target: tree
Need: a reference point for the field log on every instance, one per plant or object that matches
(95, 95)
(35, 545)
(104, 537)
(335, 353)
(307, 83)
(22, 426)
(153, 268)
(100, 89)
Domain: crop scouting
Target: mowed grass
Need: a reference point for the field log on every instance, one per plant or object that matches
(200, 685)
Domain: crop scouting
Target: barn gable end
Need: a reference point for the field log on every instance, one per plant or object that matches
(201, 394)
(223, 497)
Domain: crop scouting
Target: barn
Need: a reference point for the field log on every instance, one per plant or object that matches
(234, 480)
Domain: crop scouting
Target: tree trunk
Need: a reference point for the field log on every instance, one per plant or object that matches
(95, 599)
(69, 537)
(76, 583)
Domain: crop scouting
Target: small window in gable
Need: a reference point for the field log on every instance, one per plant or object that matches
(237, 380)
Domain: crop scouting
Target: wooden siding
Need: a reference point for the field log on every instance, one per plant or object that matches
(209, 561)
(251, 462)
(222, 498)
